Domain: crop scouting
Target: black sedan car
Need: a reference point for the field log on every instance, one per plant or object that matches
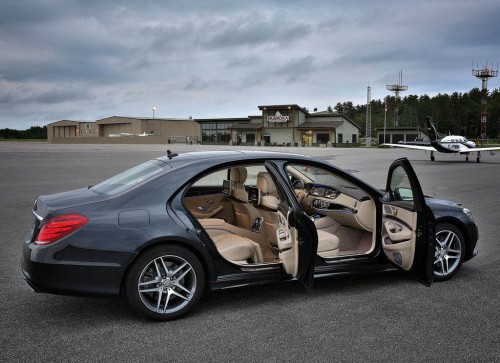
(164, 232)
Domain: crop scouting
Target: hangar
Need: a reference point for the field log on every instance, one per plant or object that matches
(124, 130)
(393, 135)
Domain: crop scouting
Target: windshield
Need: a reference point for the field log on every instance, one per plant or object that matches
(129, 178)
(321, 176)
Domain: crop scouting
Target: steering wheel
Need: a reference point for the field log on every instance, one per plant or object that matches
(298, 184)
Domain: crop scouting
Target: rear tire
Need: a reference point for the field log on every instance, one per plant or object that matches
(449, 251)
(165, 282)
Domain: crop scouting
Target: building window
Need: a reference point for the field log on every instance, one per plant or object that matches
(215, 132)
(354, 138)
(340, 138)
(322, 138)
(250, 138)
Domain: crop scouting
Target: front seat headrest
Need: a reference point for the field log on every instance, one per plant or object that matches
(264, 182)
(266, 186)
(238, 174)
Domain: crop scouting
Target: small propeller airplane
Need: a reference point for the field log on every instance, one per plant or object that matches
(447, 144)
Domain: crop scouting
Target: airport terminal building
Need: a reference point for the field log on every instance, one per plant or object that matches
(284, 125)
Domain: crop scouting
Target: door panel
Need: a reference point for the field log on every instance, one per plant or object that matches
(407, 230)
(287, 244)
(210, 205)
(398, 235)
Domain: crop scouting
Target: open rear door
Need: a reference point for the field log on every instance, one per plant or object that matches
(297, 236)
(407, 223)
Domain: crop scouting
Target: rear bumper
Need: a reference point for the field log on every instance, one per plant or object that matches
(75, 280)
(45, 274)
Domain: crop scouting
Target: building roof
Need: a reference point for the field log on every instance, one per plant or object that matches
(245, 126)
(401, 129)
(142, 119)
(326, 125)
(280, 107)
(324, 113)
(68, 122)
(227, 119)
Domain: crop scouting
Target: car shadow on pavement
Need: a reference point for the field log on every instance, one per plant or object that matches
(82, 310)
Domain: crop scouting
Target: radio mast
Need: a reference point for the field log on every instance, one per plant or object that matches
(368, 136)
(396, 88)
(484, 74)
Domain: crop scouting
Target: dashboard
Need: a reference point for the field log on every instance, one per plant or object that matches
(324, 197)
(346, 205)
(322, 191)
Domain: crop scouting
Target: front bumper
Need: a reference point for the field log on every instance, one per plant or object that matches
(472, 238)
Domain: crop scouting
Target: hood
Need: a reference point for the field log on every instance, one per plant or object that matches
(436, 203)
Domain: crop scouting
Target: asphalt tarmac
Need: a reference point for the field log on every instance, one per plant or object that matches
(383, 317)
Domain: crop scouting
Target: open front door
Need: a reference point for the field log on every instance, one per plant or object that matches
(407, 223)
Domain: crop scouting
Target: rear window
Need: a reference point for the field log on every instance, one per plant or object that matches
(130, 178)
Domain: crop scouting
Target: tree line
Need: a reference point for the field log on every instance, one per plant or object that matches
(34, 132)
(458, 113)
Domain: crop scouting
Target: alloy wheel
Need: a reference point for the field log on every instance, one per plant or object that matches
(167, 284)
(448, 253)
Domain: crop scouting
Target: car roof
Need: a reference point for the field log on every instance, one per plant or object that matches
(235, 155)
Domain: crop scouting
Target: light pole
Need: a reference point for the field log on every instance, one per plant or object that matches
(154, 109)
(385, 116)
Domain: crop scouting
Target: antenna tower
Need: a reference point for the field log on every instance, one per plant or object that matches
(484, 74)
(396, 88)
(368, 139)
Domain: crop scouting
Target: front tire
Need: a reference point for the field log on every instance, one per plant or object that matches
(164, 283)
(449, 251)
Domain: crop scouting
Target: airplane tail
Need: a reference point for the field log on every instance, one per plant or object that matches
(431, 130)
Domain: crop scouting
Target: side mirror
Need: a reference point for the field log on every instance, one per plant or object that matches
(403, 193)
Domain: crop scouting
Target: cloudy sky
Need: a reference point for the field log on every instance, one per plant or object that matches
(85, 60)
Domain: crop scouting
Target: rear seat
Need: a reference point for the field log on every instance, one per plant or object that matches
(238, 249)
(231, 246)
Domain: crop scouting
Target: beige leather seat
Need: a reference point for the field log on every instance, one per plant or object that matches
(238, 176)
(266, 184)
(239, 196)
(268, 207)
(238, 249)
(328, 244)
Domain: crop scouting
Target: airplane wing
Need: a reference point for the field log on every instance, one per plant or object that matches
(415, 147)
(496, 148)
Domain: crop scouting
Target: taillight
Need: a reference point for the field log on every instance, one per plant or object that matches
(59, 227)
